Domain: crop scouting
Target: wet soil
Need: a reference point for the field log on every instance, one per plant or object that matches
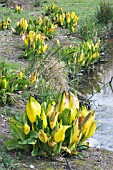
(11, 47)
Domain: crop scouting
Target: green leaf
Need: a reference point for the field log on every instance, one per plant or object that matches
(18, 118)
(35, 152)
(30, 141)
(39, 124)
(8, 93)
(82, 147)
(80, 154)
(32, 134)
(44, 106)
(57, 148)
(16, 129)
(12, 144)
(64, 116)
(24, 117)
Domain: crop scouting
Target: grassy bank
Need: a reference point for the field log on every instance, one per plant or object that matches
(84, 8)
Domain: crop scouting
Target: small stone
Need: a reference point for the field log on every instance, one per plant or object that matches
(32, 166)
(3, 124)
(25, 165)
(1, 115)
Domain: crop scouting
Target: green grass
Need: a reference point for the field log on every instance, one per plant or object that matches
(9, 64)
(7, 12)
(83, 8)
(6, 161)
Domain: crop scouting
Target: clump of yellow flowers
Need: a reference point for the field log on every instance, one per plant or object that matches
(68, 20)
(64, 19)
(51, 128)
(46, 26)
(35, 41)
(87, 54)
(40, 25)
(19, 79)
(21, 26)
(5, 24)
(18, 9)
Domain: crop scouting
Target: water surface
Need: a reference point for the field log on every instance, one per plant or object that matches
(102, 102)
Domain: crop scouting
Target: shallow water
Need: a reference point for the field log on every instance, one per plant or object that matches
(102, 103)
(104, 109)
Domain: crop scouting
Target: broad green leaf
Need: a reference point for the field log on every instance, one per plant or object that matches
(30, 141)
(8, 93)
(44, 106)
(32, 134)
(39, 124)
(12, 143)
(64, 116)
(80, 154)
(35, 152)
(16, 129)
(24, 118)
(82, 147)
(57, 148)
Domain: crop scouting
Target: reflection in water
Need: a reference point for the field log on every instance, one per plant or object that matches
(102, 102)
(98, 79)
(106, 94)
(92, 83)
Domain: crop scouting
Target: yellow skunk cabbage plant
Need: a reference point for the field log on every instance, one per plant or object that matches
(50, 128)
(63, 19)
(43, 25)
(68, 20)
(21, 27)
(18, 9)
(5, 24)
(53, 9)
(40, 25)
(12, 81)
(34, 44)
(81, 57)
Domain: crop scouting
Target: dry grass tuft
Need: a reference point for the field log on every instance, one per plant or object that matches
(56, 74)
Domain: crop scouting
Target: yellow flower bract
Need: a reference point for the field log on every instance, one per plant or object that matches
(33, 108)
(26, 129)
